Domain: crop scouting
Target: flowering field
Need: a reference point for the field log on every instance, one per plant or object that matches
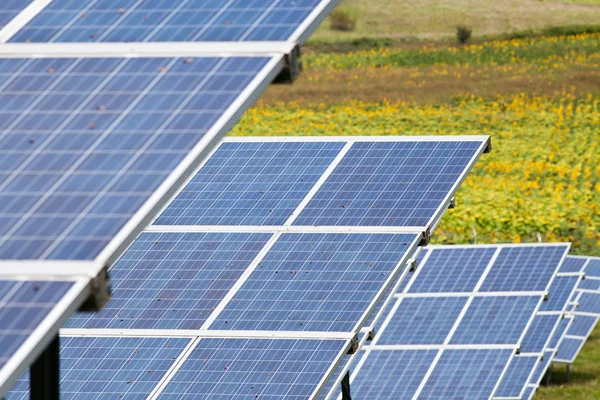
(542, 179)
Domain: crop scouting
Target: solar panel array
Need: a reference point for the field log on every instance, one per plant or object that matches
(95, 140)
(271, 306)
(586, 310)
(453, 327)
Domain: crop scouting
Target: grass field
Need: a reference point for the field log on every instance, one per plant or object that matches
(538, 97)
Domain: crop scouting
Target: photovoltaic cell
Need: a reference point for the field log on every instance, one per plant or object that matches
(422, 320)
(390, 184)
(85, 142)
(516, 376)
(315, 282)
(167, 21)
(452, 270)
(562, 327)
(539, 333)
(10, 9)
(173, 280)
(467, 374)
(394, 374)
(23, 306)
(582, 325)
(524, 268)
(568, 349)
(573, 264)
(559, 293)
(495, 320)
(251, 183)
(589, 284)
(110, 367)
(253, 368)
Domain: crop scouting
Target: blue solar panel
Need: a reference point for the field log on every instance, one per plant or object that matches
(452, 270)
(253, 368)
(110, 367)
(315, 282)
(524, 268)
(562, 327)
(251, 184)
(85, 142)
(23, 306)
(559, 293)
(10, 9)
(466, 374)
(167, 21)
(589, 284)
(541, 368)
(394, 374)
(539, 333)
(582, 325)
(495, 320)
(516, 376)
(528, 393)
(423, 320)
(589, 302)
(390, 184)
(573, 264)
(173, 280)
(568, 349)
(593, 268)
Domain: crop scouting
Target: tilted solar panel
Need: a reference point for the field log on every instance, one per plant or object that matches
(31, 312)
(168, 21)
(110, 367)
(518, 374)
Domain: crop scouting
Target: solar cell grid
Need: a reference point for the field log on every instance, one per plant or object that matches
(85, 142)
(422, 320)
(495, 320)
(573, 264)
(452, 270)
(390, 184)
(253, 368)
(516, 376)
(568, 349)
(251, 184)
(589, 284)
(593, 268)
(589, 303)
(541, 368)
(173, 280)
(525, 268)
(582, 325)
(23, 307)
(316, 282)
(110, 367)
(559, 293)
(167, 21)
(394, 374)
(471, 374)
(557, 336)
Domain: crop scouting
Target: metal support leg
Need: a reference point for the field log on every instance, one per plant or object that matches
(346, 387)
(549, 375)
(45, 373)
(568, 373)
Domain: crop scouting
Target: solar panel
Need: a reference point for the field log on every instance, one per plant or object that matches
(568, 350)
(251, 184)
(316, 282)
(559, 333)
(110, 367)
(590, 284)
(87, 142)
(560, 292)
(254, 368)
(540, 370)
(582, 325)
(589, 303)
(466, 374)
(31, 312)
(517, 376)
(173, 280)
(592, 269)
(190, 20)
(538, 335)
(573, 264)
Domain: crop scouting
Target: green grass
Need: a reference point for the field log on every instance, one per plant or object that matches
(435, 19)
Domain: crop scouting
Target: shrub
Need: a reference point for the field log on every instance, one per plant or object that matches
(463, 34)
(342, 21)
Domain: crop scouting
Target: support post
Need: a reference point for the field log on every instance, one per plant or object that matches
(346, 387)
(568, 373)
(45, 373)
(549, 375)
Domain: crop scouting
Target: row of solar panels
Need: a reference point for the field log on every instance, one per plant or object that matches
(420, 349)
(95, 140)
